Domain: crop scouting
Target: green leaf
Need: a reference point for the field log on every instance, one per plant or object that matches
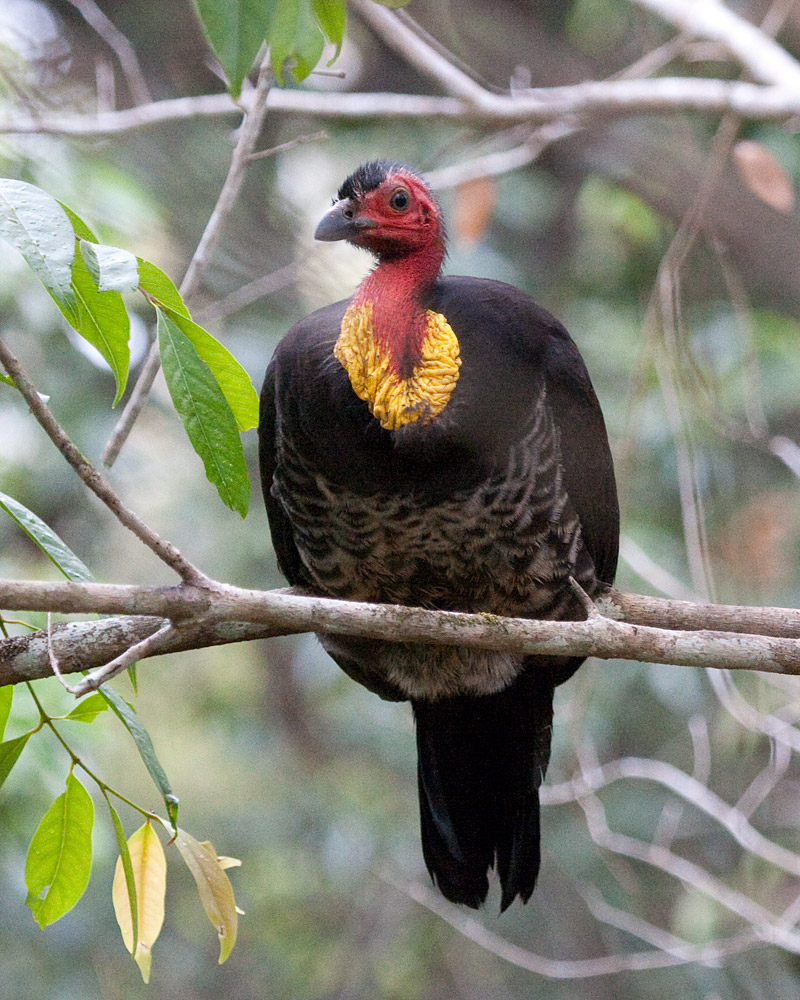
(60, 856)
(331, 16)
(44, 231)
(37, 226)
(214, 887)
(235, 30)
(205, 414)
(7, 380)
(100, 317)
(232, 379)
(79, 228)
(6, 697)
(47, 540)
(9, 753)
(160, 287)
(144, 745)
(295, 39)
(127, 868)
(393, 4)
(112, 269)
(87, 709)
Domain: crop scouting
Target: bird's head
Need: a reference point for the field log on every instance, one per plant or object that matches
(386, 208)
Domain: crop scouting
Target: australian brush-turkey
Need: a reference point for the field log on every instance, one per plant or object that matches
(437, 442)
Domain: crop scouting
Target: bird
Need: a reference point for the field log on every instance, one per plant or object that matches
(435, 441)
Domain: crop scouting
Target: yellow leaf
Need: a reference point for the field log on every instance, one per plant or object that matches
(216, 893)
(150, 879)
(228, 862)
(763, 174)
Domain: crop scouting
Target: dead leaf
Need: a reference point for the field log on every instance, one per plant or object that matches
(474, 202)
(761, 172)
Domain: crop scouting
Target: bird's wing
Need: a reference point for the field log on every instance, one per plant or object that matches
(585, 453)
(513, 346)
(280, 527)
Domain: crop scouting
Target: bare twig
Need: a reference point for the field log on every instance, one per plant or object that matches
(119, 44)
(503, 161)
(152, 645)
(663, 940)
(689, 790)
(300, 140)
(87, 645)
(759, 54)
(592, 100)
(651, 572)
(764, 923)
(89, 475)
(248, 293)
(554, 968)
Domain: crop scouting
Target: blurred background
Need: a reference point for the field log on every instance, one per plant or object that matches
(691, 335)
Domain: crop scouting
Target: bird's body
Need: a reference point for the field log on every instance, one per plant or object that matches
(436, 442)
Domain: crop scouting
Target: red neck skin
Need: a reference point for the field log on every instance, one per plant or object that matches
(395, 290)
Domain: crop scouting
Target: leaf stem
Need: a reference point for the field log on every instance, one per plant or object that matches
(46, 720)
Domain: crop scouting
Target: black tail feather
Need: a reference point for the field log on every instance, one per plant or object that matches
(481, 761)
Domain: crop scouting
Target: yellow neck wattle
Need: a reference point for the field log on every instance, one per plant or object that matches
(393, 400)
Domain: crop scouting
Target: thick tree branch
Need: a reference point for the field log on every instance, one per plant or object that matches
(685, 634)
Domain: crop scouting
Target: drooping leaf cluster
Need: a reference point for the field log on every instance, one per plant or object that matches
(58, 863)
(211, 391)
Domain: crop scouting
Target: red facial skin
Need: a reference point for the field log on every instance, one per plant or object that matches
(408, 241)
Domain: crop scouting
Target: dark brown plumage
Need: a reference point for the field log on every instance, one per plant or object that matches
(489, 501)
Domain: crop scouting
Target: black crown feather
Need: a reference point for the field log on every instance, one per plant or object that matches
(370, 176)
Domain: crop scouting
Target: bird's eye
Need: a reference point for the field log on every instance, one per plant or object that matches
(399, 200)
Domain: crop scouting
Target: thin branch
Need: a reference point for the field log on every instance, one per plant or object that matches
(763, 922)
(282, 147)
(89, 475)
(248, 293)
(152, 645)
(429, 60)
(689, 790)
(651, 572)
(582, 968)
(762, 57)
(750, 717)
(594, 99)
(502, 161)
(248, 137)
(120, 46)
(84, 645)
(282, 611)
(712, 954)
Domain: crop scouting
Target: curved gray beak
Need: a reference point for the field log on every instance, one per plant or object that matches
(341, 223)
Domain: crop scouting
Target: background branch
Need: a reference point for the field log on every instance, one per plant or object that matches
(600, 99)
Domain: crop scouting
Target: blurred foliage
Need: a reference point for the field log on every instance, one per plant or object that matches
(279, 759)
